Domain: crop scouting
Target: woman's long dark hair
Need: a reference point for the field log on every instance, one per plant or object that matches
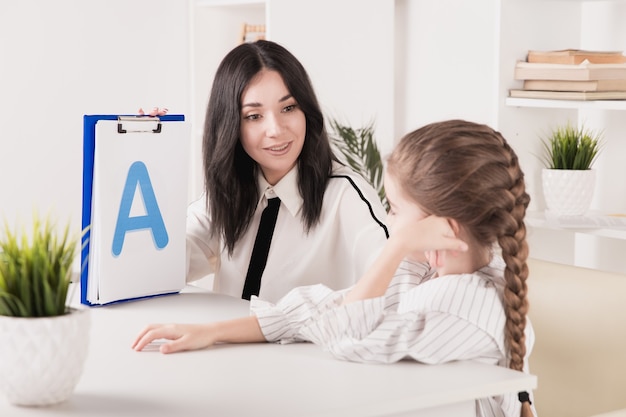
(230, 175)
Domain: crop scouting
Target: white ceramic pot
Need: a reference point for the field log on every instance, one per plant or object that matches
(568, 192)
(41, 359)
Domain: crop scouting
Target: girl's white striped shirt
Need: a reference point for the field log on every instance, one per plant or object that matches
(431, 320)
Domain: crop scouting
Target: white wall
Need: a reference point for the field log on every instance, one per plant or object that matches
(65, 58)
(447, 61)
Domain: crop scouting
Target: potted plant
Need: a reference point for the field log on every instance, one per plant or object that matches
(568, 179)
(43, 342)
(360, 151)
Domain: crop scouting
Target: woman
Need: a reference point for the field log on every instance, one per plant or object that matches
(264, 137)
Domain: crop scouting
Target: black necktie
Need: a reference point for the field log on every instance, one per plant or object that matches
(261, 248)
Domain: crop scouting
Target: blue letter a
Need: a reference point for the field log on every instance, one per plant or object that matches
(138, 175)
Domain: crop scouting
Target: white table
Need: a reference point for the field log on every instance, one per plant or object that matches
(255, 379)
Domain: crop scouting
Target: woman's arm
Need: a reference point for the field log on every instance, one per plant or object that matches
(199, 336)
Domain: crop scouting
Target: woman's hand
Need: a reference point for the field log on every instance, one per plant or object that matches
(156, 111)
(182, 337)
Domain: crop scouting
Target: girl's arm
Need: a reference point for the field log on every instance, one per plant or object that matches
(198, 336)
(375, 281)
(279, 322)
(409, 238)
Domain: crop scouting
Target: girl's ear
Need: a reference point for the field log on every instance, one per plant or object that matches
(455, 226)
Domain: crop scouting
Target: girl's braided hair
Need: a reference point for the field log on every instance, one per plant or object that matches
(468, 172)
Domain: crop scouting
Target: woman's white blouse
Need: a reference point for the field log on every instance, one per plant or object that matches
(431, 320)
(336, 252)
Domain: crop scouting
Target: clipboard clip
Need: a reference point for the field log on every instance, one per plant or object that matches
(133, 119)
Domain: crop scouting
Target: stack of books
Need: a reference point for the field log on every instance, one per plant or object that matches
(572, 74)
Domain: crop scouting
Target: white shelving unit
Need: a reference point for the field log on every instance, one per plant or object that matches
(561, 24)
(602, 249)
(567, 104)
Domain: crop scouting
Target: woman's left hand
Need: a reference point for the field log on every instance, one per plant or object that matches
(156, 111)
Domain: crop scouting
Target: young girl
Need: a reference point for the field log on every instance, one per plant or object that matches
(458, 199)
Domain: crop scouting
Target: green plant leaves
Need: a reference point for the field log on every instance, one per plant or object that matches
(35, 271)
(360, 151)
(572, 148)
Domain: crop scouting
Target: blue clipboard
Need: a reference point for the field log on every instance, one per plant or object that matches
(89, 138)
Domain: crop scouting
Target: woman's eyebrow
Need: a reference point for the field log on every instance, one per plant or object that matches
(257, 104)
(287, 97)
(253, 104)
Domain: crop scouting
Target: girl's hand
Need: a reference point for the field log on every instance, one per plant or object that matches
(182, 337)
(200, 336)
(410, 236)
(429, 235)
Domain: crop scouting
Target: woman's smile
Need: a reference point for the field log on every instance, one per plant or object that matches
(279, 149)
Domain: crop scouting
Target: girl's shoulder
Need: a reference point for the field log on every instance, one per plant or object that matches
(447, 293)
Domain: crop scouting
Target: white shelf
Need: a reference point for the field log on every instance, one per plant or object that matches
(566, 104)
(600, 249)
(538, 220)
(207, 3)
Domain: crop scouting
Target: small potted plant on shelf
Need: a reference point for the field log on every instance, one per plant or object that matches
(568, 179)
(43, 342)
